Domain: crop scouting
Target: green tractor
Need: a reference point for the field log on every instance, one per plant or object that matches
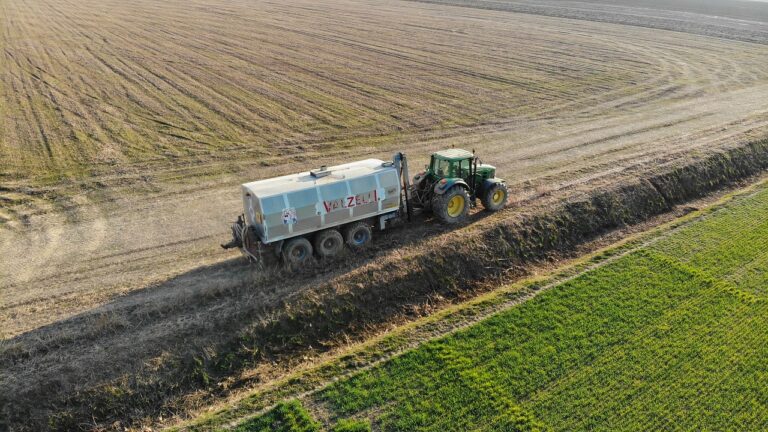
(452, 183)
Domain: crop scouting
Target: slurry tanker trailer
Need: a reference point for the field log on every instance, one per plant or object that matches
(318, 212)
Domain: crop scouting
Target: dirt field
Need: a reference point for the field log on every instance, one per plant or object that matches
(126, 128)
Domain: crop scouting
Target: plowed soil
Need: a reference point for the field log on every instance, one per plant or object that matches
(127, 127)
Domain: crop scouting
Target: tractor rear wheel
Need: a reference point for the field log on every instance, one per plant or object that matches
(358, 235)
(452, 206)
(495, 198)
(328, 243)
(297, 251)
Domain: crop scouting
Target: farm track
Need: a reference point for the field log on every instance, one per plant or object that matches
(125, 128)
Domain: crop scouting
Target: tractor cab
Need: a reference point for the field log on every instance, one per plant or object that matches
(458, 163)
(450, 163)
(452, 183)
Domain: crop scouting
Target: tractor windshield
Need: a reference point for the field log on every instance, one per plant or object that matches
(444, 168)
(448, 168)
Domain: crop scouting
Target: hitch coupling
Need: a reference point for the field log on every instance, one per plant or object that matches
(237, 235)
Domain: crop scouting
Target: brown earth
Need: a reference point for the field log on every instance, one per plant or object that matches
(110, 260)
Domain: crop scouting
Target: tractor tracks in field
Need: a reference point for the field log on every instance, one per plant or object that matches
(383, 89)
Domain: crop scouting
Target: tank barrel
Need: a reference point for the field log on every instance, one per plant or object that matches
(306, 203)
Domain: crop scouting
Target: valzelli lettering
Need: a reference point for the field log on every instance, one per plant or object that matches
(351, 201)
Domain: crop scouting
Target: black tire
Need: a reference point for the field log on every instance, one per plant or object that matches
(297, 251)
(445, 206)
(328, 243)
(495, 198)
(358, 235)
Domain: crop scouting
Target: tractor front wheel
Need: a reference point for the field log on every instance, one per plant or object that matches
(452, 206)
(495, 198)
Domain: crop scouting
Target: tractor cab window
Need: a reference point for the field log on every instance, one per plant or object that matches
(448, 168)
(444, 168)
(464, 168)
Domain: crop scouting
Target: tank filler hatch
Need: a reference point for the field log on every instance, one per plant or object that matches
(321, 172)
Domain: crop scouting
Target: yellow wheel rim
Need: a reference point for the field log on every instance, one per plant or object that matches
(455, 206)
(497, 197)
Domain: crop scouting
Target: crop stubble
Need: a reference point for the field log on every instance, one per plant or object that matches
(91, 87)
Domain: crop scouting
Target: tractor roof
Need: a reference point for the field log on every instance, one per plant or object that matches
(453, 154)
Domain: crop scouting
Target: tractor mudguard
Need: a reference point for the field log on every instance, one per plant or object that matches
(446, 184)
(491, 181)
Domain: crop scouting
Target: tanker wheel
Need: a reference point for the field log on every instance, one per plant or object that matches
(452, 206)
(495, 198)
(328, 243)
(358, 235)
(297, 251)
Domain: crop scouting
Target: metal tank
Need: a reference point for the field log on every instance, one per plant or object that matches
(309, 205)
(298, 204)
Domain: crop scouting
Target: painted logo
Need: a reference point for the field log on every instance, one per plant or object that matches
(289, 216)
(351, 201)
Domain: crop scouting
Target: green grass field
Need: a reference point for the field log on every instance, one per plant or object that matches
(672, 336)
